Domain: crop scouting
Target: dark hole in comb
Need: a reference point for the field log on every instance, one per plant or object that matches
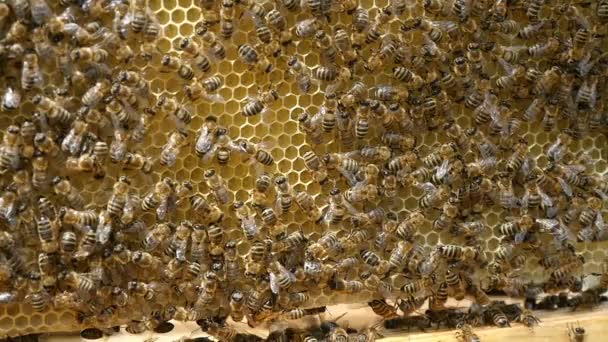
(91, 334)
(164, 328)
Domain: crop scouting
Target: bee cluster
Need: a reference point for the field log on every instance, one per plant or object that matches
(419, 123)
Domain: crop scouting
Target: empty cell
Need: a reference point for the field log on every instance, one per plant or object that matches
(163, 17)
(291, 152)
(169, 4)
(164, 44)
(193, 15)
(171, 32)
(6, 323)
(186, 30)
(196, 175)
(177, 16)
(36, 321)
(246, 131)
(304, 101)
(261, 130)
(283, 140)
(291, 127)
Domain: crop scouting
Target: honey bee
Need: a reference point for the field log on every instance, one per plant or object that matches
(73, 141)
(136, 161)
(138, 15)
(11, 100)
(183, 69)
(79, 282)
(89, 55)
(37, 295)
(85, 163)
(301, 72)
(217, 185)
(118, 199)
(179, 242)
(259, 104)
(170, 151)
(466, 334)
(196, 90)
(434, 196)
(576, 333)
(192, 49)
(250, 56)
(421, 285)
(155, 237)
(212, 213)
(383, 309)
(125, 94)
(159, 197)
(256, 151)
(31, 75)
(181, 113)
(96, 93)
(54, 111)
(134, 79)
(204, 146)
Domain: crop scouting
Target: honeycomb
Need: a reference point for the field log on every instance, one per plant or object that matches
(279, 128)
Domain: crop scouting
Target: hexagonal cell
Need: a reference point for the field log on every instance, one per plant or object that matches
(21, 322)
(13, 310)
(163, 17)
(6, 323)
(36, 321)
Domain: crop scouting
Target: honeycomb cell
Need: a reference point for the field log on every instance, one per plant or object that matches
(21, 322)
(177, 16)
(290, 127)
(492, 244)
(6, 323)
(36, 321)
(164, 45)
(291, 152)
(186, 30)
(196, 175)
(304, 101)
(169, 4)
(600, 166)
(163, 17)
(13, 310)
(185, 3)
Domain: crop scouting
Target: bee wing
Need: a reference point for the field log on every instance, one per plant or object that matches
(574, 168)
(274, 284)
(266, 145)
(217, 98)
(121, 25)
(519, 237)
(350, 208)
(426, 186)
(161, 211)
(7, 297)
(565, 186)
(545, 199)
(103, 233)
(508, 68)
(599, 221)
(602, 194)
(443, 169)
(41, 11)
(585, 64)
(548, 223)
(350, 177)
(524, 199)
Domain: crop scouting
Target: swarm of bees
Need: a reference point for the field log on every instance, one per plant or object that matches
(154, 245)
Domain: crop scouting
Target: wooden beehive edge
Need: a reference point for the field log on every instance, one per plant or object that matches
(553, 327)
